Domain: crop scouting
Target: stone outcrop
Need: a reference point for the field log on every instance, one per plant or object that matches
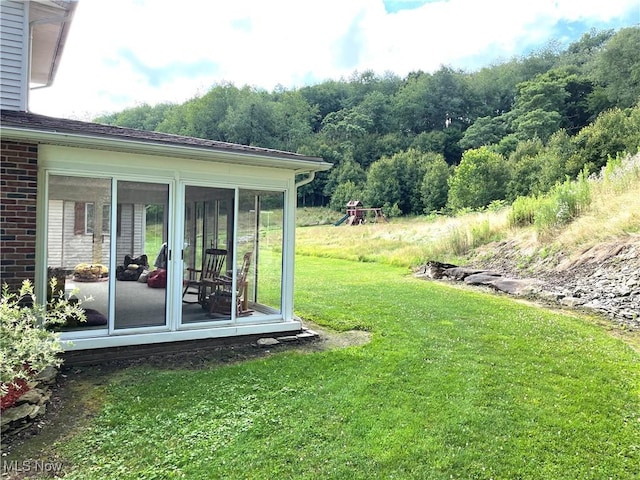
(478, 277)
(604, 279)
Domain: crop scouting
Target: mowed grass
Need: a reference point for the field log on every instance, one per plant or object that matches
(454, 384)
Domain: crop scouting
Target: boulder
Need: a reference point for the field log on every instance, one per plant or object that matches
(461, 273)
(514, 286)
(267, 342)
(482, 278)
(47, 375)
(435, 270)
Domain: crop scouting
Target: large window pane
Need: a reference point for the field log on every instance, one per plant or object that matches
(260, 231)
(78, 243)
(142, 213)
(207, 233)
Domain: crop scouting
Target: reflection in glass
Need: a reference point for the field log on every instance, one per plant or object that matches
(141, 236)
(207, 251)
(78, 244)
(260, 231)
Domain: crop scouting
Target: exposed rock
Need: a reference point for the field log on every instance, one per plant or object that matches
(29, 405)
(47, 375)
(34, 396)
(572, 301)
(517, 286)
(433, 269)
(481, 278)
(461, 273)
(16, 417)
(604, 279)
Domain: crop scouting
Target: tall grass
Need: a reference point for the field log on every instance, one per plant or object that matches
(589, 209)
(619, 175)
(564, 203)
(570, 200)
(405, 242)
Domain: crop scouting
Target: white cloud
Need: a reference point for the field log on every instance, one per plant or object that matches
(126, 52)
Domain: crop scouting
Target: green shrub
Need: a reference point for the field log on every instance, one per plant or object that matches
(480, 178)
(26, 346)
(564, 203)
(523, 212)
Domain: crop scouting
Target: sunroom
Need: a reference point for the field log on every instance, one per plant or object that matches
(163, 238)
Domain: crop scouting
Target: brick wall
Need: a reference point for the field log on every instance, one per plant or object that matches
(18, 192)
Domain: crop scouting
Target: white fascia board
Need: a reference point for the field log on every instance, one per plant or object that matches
(159, 149)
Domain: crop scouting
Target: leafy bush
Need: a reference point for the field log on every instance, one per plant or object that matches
(480, 178)
(523, 211)
(620, 173)
(26, 346)
(565, 203)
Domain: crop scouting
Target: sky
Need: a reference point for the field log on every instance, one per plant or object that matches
(125, 53)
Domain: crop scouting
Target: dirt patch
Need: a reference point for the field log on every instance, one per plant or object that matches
(330, 340)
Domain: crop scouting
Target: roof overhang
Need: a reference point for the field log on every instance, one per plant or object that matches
(49, 22)
(297, 163)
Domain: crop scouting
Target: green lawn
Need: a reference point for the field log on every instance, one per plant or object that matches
(454, 384)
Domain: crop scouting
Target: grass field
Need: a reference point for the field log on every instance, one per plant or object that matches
(454, 384)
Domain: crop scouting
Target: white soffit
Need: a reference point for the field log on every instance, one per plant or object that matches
(49, 22)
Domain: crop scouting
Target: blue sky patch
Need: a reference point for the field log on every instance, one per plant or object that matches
(242, 24)
(393, 6)
(156, 76)
(567, 32)
(349, 48)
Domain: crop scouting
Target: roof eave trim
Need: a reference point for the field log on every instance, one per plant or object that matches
(161, 149)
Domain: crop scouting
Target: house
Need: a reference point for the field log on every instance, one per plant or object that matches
(85, 200)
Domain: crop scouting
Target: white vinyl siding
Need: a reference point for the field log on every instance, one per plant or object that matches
(55, 228)
(65, 247)
(130, 239)
(14, 39)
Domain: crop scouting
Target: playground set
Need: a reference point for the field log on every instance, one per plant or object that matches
(356, 214)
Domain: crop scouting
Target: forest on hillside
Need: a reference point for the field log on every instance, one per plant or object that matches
(435, 142)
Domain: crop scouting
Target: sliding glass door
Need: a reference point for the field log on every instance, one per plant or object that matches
(109, 241)
(208, 238)
(141, 255)
(232, 255)
(79, 245)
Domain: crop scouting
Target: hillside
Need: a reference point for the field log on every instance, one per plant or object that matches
(603, 278)
(591, 262)
(435, 141)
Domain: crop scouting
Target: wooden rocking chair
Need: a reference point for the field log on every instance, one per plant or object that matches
(221, 297)
(200, 281)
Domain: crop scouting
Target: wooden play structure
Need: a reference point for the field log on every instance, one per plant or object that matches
(356, 214)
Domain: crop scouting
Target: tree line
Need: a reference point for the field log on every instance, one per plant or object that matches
(441, 141)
